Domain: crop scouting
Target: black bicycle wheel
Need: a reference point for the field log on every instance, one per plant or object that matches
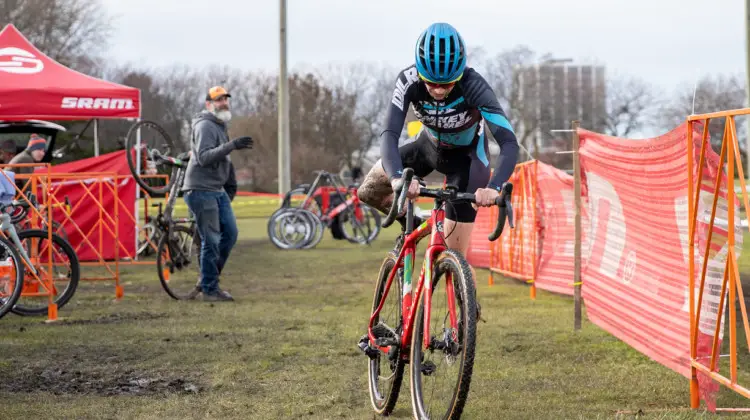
(11, 276)
(178, 262)
(150, 174)
(366, 228)
(450, 351)
(386, 371)
(37, 305)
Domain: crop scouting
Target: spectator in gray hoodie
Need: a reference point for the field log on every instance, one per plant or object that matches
(208, 171)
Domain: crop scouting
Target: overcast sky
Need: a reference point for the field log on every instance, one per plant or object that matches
(667, 42)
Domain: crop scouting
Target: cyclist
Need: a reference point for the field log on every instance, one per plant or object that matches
(452, 101)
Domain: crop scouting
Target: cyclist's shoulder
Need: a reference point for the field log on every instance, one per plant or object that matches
(473, 80)
(408, 75)
(405, 91)
(475, 87)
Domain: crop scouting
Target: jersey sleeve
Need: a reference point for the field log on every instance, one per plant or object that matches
(479, 93)
(403, 94)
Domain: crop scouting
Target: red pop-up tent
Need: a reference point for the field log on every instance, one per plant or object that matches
(33, 86)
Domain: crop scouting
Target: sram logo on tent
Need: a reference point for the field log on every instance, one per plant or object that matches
(96, 103)
(16, 60)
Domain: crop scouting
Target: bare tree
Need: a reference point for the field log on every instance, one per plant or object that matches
(503, 73)
(323, 127)
(371, 86)
(72, 32)
(631, 103)
(712, 93)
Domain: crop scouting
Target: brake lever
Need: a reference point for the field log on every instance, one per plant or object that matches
(509, 211)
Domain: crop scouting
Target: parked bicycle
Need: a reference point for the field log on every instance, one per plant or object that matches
(22, 222)
(178, 249)
(33, 252)
(326, 203)
(152, 231)
(408, 329)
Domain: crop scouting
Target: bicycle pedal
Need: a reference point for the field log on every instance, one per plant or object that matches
(428, 368)
(364, 346)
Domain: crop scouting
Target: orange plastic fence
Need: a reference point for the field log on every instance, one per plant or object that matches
(40, 283)
(515, 253)
(701, 336)
(92, 190)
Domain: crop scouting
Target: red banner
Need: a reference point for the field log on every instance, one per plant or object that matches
(635, 281)
(97, 226)
(557, 229)
(634, 242)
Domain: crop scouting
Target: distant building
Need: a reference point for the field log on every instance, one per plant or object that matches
(560, 92)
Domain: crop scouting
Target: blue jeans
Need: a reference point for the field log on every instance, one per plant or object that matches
(218, 230)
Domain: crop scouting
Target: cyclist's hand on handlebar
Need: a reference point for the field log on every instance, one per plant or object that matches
(414, 187)
(485, 197)
(244, 142)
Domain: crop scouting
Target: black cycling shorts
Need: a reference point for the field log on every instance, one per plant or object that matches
(466, 168)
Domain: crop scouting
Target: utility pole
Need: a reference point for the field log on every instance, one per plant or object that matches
(284, 148)
(747, 84)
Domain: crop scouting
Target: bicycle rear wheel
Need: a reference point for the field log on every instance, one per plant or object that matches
(11, 276)
(386, 371)
(150, 174)
(450, 351)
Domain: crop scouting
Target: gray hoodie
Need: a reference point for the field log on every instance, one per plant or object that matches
(209, 167)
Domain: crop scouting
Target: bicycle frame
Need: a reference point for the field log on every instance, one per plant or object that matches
(405, 260)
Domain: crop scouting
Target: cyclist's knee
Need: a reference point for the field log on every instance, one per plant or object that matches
(375, 187)
(457, 235)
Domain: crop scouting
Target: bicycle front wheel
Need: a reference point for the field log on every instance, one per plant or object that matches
(178, 261)
(442, 358)
(66, 272)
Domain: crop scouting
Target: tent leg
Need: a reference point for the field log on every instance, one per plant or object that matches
(96, 137)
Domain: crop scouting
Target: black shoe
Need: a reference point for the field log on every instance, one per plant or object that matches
(219, 296)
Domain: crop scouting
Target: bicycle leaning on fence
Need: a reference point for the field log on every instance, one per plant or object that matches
(178, 249)
(408, 329)
(26, 264)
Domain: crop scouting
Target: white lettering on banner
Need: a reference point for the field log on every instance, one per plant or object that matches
(628, 272)
(402, 87)
(611, 231)
(96, 103)
(18, 61)
(681, 215)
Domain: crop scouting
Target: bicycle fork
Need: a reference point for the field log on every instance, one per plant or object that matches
(383, 335)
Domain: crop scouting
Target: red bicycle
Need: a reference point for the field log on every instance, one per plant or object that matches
(408, 328)
(326, 203)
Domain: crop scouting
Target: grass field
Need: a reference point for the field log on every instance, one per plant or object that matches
(286, 349)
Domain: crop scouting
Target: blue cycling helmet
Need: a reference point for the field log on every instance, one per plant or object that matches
(440, 54)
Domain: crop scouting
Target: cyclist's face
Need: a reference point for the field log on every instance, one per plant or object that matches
(439, 91)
